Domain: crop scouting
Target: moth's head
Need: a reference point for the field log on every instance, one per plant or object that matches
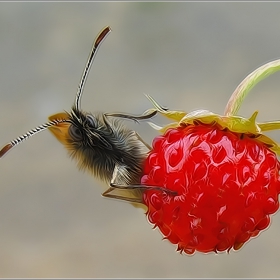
(80, 131)
(84, 135)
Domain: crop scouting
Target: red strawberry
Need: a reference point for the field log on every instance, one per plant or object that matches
(223, 169)
(227, 185)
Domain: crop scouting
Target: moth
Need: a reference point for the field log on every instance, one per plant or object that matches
(100, 143)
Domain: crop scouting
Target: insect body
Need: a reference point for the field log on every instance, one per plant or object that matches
(100, 143)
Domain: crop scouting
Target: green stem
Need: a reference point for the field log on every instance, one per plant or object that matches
(248, 83)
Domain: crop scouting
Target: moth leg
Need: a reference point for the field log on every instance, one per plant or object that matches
(142, 188)
(128, 192)
(146, 115)
(119, 186)
(122, 197)
(134, 118)
(132, 190)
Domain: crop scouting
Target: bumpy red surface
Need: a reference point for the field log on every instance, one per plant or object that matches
(227, 187)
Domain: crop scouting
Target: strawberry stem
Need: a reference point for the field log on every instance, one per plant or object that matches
(248, 83)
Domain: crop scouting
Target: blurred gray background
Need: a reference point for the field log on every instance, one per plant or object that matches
(53, 220)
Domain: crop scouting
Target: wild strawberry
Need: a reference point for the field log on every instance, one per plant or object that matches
(224, 171)
(227, 185)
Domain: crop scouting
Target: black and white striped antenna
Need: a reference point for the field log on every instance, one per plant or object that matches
(100, 37)
(28, 134)
(44, 126)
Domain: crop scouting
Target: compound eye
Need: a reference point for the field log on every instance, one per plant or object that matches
(75, 133)
(91, 121)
